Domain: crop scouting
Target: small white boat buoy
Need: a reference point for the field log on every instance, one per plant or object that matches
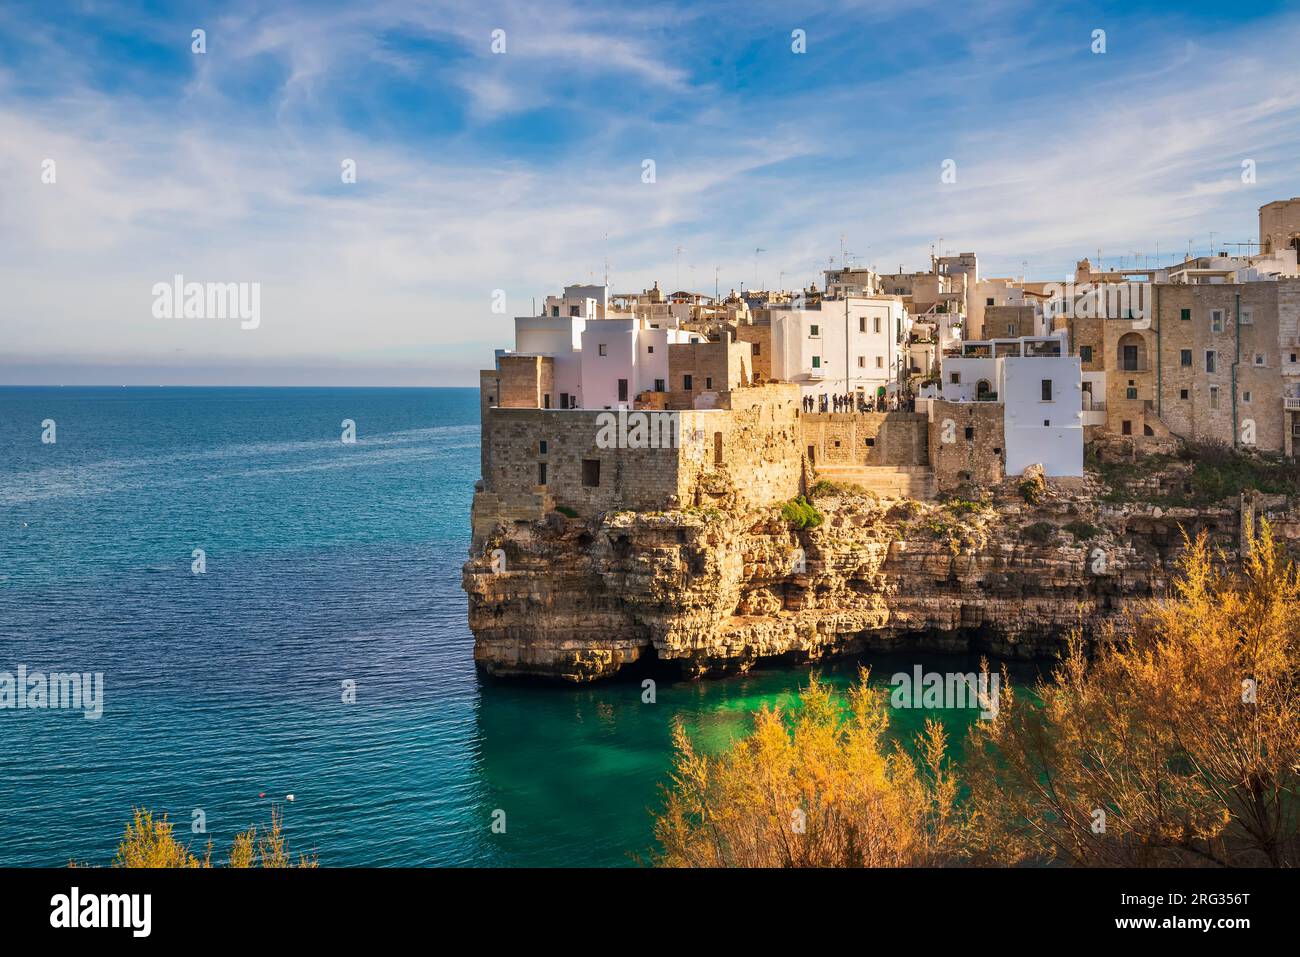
(289, 798)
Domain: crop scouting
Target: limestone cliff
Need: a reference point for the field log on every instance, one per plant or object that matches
(707, 592)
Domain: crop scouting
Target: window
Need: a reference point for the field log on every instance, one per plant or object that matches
(708, 382)
(862, 323)
(1126, 427)
(602, 349)
(1129, 358)
(659, 385)
(1245, 397)
(1214, 397)
(555, 311)
(1185, 315)
(862, 362)
(1294, 357)
(955, 378)
(688, 382)
(546, 401)
(1259, 358)
(573, 402)
(880, 362)
(814, 330)
(541, 473)
(573, 311)
(758, 348)
(564, 400)
(970, 432)
(870, 443)
(1130, 393)
(650, 350)
(622, 390)
(1047, 423)
(988, 301)
(817, 362)
(591, 473)
(1247, 317)
(1047, 390)
(1185, 358)
(1209, 360)
(1216, 320)
(1085, 353)
(875, 323)
(1183, 394)
(1011, 328)
(541, 449)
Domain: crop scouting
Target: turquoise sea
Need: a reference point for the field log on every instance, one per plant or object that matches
(326, 562)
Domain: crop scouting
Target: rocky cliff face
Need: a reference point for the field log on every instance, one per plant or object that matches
(712, 592)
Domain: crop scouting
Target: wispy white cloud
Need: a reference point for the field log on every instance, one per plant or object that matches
(404, 263)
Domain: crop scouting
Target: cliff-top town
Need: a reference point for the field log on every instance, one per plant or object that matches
(907, 383)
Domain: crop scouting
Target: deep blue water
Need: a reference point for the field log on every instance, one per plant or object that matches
(326, 562)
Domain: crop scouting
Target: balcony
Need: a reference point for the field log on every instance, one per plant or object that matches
(1291, 403)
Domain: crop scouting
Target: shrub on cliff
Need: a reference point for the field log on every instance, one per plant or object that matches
(152, 843)
(801, 513)
(812, 786)
(1178, 744)
(1040, 533)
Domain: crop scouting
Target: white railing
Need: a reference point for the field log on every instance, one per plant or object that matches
(1291, 402)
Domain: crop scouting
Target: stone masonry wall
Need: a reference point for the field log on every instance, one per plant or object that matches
(975, 453)
(871, 438)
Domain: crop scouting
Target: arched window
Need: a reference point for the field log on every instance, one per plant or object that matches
(1131, 353)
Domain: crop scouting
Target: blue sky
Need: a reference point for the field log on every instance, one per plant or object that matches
(522, 171)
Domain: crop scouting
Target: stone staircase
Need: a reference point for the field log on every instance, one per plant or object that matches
(887, 481)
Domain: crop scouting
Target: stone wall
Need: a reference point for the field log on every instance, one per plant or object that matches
(869, 438)
(525, 382)
(710, 368)
(967, 443)
(759, 335)
(1197, 404)
(1008, 322)
(593, 461)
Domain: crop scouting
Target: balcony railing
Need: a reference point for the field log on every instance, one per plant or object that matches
(1291, 403)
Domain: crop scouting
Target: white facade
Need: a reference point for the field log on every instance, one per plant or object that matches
(586, 302)
(846, 345)
(599, 363)
(1040, 388)
(1043, 419)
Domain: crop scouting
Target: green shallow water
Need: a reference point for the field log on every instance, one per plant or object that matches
(577, 771)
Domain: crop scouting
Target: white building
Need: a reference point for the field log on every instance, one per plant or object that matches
(848, 345)
(1040, 388)
(602, 359)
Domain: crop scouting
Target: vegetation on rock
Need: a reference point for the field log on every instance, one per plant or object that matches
(1177, 742)
(801, 513)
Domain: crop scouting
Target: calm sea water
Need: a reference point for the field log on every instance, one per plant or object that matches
(326, 562)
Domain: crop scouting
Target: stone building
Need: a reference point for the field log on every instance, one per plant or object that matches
(1279, 225)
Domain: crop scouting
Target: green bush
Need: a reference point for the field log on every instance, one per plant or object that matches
(1040, 532)
(566, 511)
(1033, 489)
(801, 513)
(1082, 530)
